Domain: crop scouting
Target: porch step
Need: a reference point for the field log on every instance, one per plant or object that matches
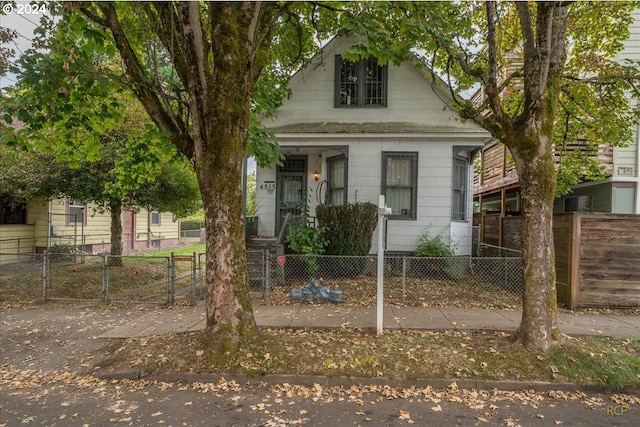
(262, 242)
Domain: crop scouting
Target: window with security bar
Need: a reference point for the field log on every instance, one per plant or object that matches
(360, 84)
(400, 183)
(12, 212)
(459, 188)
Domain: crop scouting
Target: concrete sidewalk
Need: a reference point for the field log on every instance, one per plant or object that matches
(185, 319)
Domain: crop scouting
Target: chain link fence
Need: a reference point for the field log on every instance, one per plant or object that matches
(408, 281)
(84, 277)
(70, 276)
(488, 282)
(21, 277)
(142, 279)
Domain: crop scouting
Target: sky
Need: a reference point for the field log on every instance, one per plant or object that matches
(24, 23)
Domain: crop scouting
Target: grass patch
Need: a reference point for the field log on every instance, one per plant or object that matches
(186, 250)
(613, 362)
(608, 362)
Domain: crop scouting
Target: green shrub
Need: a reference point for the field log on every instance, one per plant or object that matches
(191, 225)
(435, 247)
(307, 241)
(348, 227)
(429, 246)
(62, 252)
(348, 231)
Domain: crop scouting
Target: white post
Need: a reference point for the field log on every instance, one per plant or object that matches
(383, 211)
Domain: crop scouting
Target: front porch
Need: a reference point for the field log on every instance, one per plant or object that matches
(309, 176)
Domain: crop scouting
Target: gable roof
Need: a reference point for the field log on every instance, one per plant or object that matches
(416, 104)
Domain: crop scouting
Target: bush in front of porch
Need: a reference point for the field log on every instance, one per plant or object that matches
(348, 230)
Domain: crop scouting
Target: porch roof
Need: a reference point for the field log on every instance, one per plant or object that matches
(373, 128)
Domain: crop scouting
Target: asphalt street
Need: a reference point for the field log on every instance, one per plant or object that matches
(82, 401)
(49, 358)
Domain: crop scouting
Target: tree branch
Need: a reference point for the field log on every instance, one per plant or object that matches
(603, 80)
(166, 17)
(491, 83)
(141, 83)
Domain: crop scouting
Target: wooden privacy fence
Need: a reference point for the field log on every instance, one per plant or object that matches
(597, 255)
(597, 259)
(499, 230)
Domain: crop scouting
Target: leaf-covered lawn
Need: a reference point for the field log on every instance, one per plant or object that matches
(405, 355)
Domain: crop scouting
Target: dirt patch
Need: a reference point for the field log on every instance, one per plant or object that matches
(410, 292)
(60, 337)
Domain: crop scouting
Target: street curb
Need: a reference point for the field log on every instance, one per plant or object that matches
(311, 380)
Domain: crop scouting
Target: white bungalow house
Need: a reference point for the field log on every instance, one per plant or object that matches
(353, 131)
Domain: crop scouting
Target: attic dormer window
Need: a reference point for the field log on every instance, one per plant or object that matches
(360, 84)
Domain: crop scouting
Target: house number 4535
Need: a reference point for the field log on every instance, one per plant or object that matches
(269, 186)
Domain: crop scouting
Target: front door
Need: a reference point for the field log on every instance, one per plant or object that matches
(128, 230)
(292, 188)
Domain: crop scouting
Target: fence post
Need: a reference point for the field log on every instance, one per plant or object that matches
(45, 276)
(575, 229)
(383, 211)
(404, 276)
(193, 279)
(267, 280)
(201, 276)
(105, 278)
(506, 271)
(172, 278)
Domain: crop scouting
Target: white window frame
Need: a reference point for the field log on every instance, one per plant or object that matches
(413, 185)
(460, 189)
(74, 206)
(151, 221)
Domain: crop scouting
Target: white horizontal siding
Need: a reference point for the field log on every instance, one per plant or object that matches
(628, 156)
(365, 185)
(632, 44)
(410, 98)
(265, 202)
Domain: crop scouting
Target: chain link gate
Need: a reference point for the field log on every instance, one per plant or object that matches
(185, 278)
(72, 276)
(138, 279)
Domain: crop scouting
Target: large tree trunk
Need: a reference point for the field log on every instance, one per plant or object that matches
(229, 308)
(220, 105)
(529, 137)
(219, 50)
(539, 324)
(115, 209)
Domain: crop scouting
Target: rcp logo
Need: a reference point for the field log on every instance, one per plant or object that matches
(617, 409)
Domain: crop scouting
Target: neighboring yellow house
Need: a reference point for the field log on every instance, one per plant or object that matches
(31, 228)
